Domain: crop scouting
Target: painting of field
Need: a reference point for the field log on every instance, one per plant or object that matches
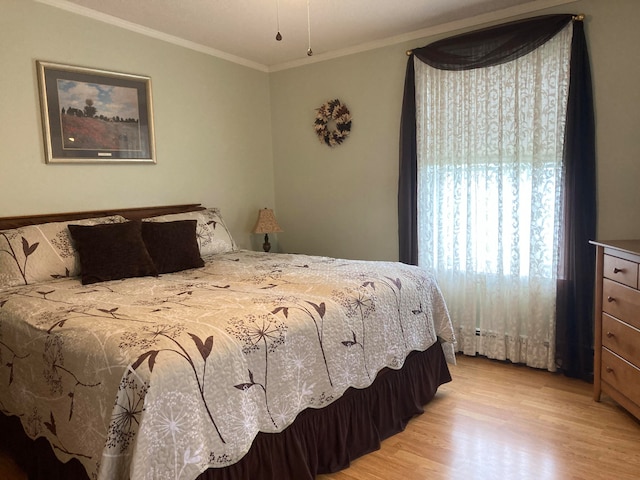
(93, 133)
(95, 116)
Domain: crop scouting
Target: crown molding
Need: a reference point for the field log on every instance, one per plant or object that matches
(149, 32)
(444, 28)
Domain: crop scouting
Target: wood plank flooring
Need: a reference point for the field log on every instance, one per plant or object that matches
(500, 421)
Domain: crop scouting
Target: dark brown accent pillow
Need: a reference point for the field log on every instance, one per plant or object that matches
(173, 246)
(111, 251)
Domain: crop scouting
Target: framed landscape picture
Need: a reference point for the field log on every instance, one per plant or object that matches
(95, 116)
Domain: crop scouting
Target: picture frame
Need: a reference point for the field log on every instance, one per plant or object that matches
(95, 116)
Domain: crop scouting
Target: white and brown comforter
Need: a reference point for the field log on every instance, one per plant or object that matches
(165, 377)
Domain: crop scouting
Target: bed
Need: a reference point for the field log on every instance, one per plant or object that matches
(224, 364)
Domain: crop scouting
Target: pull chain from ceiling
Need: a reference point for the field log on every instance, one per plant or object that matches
(309, 51)
(278, 35)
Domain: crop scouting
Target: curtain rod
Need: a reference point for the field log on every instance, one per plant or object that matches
(576, 18)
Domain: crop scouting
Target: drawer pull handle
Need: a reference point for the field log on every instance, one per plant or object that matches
(610, 334)
(618, 270)
(610, 299)
(609, 370)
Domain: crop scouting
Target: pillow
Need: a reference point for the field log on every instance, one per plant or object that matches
(39, 253)
(172, 245)
(111, 252)
(212, 234)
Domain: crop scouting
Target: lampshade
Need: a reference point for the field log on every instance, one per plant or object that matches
(267, 222)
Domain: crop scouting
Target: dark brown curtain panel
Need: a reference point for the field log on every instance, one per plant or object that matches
(574, 321)
(493, 46)
(408, 179)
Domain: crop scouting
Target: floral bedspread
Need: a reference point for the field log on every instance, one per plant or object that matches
(158, 378)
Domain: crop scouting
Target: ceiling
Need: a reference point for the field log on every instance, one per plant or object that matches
(244, 31)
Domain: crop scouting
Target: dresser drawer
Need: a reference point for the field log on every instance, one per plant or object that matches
(621, 375)
(621, 302)
(620, 270)
(621, 339)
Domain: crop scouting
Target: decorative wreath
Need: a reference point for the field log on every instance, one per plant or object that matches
(339, 113)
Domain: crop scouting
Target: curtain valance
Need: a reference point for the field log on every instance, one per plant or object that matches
(493, 45)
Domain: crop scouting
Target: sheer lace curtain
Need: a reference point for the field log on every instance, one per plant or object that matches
(490, 189)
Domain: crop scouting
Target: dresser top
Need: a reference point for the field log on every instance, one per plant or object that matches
(629, 246)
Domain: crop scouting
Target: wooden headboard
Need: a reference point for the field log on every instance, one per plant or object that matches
(7, 223)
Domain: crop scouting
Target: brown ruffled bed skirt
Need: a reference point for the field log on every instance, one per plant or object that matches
(319, 441)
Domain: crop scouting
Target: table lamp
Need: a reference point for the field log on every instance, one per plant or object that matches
(266, 224)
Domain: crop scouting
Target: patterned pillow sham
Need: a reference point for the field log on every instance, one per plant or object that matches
(212, 234)
(40, 253)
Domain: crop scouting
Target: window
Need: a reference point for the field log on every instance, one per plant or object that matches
(490, 196)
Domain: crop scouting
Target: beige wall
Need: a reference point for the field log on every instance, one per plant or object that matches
(614, 38)
(212, 123)
(339, 201)
(216, 144)
(342, 201)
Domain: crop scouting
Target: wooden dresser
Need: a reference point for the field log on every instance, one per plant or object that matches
(617, 323)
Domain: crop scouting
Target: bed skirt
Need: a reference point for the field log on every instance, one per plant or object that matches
(319, 441)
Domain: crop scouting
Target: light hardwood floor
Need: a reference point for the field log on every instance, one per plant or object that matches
(504, 422)
(501, 421)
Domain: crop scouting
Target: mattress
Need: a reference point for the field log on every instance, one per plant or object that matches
(171, 376)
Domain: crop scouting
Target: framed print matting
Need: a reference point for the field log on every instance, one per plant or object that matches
(95, 116)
